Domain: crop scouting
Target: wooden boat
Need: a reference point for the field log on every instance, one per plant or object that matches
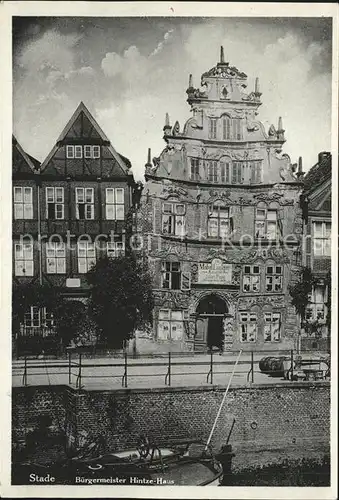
(180, 463)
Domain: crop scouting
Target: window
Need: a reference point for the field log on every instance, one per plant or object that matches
(266, 223)
(55, 203)
(78, 151)
(224, 172)
(251, 279)
(218, 222)
(248, 327)
(322, 239)
(84, 198)
(317, 309)
(91, 151)
(56, 258)
(195, 169)
(173, 218)
(37, 317)
(237, 172)
(115, 249)
(272, 327)
(23, 203)
(173, 278)
(256, 172)
(237, 129)
(212, 171)
(273, 279)
(23, 257)
(170, 324)
(226, 128)
(213, 128)
(86, 256)
(70, 151)
(115, 204)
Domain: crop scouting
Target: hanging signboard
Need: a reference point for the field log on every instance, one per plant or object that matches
(216, 272)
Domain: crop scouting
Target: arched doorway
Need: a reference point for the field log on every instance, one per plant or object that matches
(211, 312)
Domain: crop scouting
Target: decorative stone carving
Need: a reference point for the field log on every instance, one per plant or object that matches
(272, 132)
(173, 191)
(176, 129)
(224, 71)
(174, 299)
(247, 302)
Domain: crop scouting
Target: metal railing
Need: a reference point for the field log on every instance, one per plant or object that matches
(210, 368)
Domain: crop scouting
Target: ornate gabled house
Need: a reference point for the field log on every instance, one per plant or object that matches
(317, 242)
(220, 214)
(80, 207)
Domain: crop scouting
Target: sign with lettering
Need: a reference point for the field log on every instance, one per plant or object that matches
(216, 272)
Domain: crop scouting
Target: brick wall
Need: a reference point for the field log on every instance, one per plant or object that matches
(272, 423)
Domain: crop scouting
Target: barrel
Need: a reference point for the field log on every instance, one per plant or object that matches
(272, 365)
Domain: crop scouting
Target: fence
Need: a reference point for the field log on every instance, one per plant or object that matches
(134, 371)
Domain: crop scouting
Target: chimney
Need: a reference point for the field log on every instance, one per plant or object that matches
(323, 156)
(190, 82)
(300, 172)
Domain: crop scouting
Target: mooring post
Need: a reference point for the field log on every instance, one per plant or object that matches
(252, 367)
(80, 369)
(125, 369)
(211, 366)
(292, 363)
(25, 373)
(169, 368)
(69, 367)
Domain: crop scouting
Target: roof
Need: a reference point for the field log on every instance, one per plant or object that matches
(319, 173)
(31, 162)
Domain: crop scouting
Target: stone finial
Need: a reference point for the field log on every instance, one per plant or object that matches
(190, 82)
(280, 125)
(149, 157)
(300, 172)
(257, 87)
(222, 57)
(167, 127)
(167, 120)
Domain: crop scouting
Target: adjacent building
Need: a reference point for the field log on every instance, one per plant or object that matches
(316, 201)
(221, 220)
(74, 207)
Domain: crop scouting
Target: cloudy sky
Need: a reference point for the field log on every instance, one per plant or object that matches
(130, 71)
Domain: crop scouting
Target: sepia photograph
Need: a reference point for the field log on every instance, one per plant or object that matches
(172, 272)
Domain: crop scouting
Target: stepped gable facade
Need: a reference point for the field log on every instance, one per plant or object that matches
(221, 217)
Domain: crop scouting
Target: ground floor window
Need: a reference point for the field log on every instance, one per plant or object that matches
(248, 327)
(171, 324)
(38, 321)
(272, 328)
(317, 310)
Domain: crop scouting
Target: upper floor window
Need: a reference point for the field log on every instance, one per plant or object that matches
(225, 172)
(173, 218)
(115, 204)
(317, 309)
(273, 279)
(84, 198)
(219, 222)
(55, 202)
(23, 203)
(56, 257)
(173, 278)
(256, 172)
(195, 169)
(251, 279)
(86, 256)
(237, 172)
(23, 258)
(212, 171)
(272, 327)
(226, 128)
(213, 128)
(91, 151)
(322, 239)
(74, 151)
(248, 327)
(266, 223)
(231, 128)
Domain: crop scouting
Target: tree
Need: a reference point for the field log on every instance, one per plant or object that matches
(69, 316)
(121, 298)
(300, 292)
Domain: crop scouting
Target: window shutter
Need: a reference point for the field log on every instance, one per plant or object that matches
(185, 281)
(280, 220)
